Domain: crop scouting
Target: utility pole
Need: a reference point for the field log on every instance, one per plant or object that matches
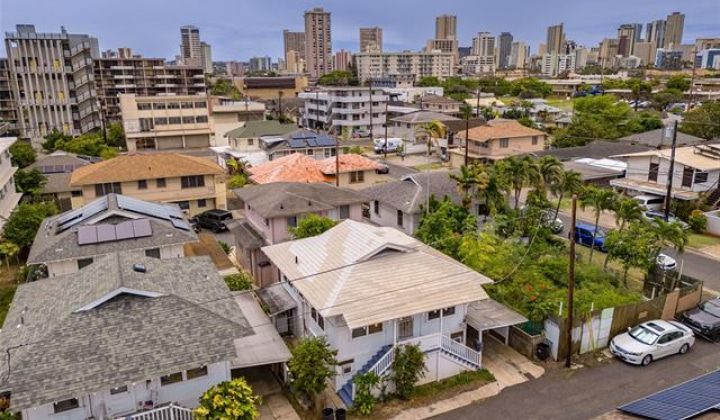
(571, 285)
(692, 81)
(671, 172)
(386, 129)
(371, 110)
(477, 105)
(467, 135)
(280, 113)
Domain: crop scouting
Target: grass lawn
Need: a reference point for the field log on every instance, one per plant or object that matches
(635, 276)
(562, 103)
(429, 167)
(702, 240)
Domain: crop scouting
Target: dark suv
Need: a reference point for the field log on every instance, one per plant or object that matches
(213, 220)
(705, 319)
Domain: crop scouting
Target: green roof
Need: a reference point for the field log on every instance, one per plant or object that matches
(260, 128)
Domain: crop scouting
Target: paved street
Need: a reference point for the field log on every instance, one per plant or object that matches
(589, 392)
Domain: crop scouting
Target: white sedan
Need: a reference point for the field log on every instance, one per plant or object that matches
(666, 262)
(652, 340)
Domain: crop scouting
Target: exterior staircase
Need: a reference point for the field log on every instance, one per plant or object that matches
(346, 392)
(713, 198)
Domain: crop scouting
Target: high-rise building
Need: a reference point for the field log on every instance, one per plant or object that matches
(674, 26)
(484, 45)
(655, 33)
(519, 54)
(504, 45)
(417, 65)
(294, 64)
(342, 61)
(235, 68)
(556, 63)
(707, 44)
(318, 42)
(446, 27)
(51, 75)
(206, 57)
(555, 39)
(645, 51)
(260, 64)
(8, 108)
(371, 39)
(483, 58)
(294, 41)
(125, 52)
(190, 50)
(628, 34)
(608, 52)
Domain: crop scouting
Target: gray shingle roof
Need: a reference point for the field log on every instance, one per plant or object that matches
(190, 319)
(283, 199)
(597, 149)
(253, 129)
(410, 193)
(246, 236)
(52, 246)
(60, 181)
(660, 139)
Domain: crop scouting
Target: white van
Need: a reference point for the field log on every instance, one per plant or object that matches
(392, 145)
(650, 202)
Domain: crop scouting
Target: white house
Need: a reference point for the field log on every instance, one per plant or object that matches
(370, 289)
(9, 197)
(696, 173)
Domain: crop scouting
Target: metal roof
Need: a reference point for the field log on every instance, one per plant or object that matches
(488, 314)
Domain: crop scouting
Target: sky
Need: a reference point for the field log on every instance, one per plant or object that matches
(240, 29)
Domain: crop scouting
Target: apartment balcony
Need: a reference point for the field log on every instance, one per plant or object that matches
(168, 412)
(88, 111)
(123, 76)
(164, 76)
(82, 64)
(351, 110)
(83, 80)
(353, 123)
(79, 48)
(122, 68)
(365, 97)
(126, 86)
(166, 85)
(86, 95)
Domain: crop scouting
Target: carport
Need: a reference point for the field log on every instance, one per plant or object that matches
(493, 317)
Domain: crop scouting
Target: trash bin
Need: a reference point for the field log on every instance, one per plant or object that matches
(340, 414)
(542, 351)
(327, 414)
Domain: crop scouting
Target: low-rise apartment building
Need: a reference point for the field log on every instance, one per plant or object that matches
(271, 88)
(441, 104)
(165, 122)
(227, 115)
(376, 64)
(195, 184)
(497, 140)
(9, 197)
(357, 109)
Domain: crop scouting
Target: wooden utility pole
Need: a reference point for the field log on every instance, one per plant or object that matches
(371, 109)
(467, 135)
(671, 172)
(386, 129)
(571, 285)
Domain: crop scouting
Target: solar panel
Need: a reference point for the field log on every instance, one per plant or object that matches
(87, 235)
(325, 141)
(124, 230)
(142, 228)
(149, 209)
(312, 142)
(296, 144)
(680, 402)
(180, 224)
(105, 233)
(72, 218)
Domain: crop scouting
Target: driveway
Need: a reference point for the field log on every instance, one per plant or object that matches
(589, 392)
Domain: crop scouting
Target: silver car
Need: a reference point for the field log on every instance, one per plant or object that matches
(652, 340)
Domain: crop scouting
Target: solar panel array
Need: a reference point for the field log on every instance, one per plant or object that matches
(58, 169)
(160, 211)
(310, 140)
(680, 402)
(74, 217)
(96, 234)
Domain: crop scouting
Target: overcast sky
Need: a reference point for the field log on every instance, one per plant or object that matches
(239, 29)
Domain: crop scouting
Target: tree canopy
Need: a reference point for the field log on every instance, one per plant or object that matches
(311, 225)
(312, 363)
(338, 78)
(30, 182)
(703, 121)
(229, 400)
(23, 224)
(22, 154)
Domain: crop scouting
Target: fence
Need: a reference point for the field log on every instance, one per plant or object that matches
(523, 342)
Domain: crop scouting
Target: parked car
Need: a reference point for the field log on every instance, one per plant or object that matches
(392, 145)
(705, 319)
(382, 168)
(584, 236)
(548, 218)
(213, 219)
(653, 215)
(650, 202)
(666, 262)
(652, 340)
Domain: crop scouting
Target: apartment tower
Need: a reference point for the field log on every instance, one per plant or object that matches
(51, 75)
(190, 49)
(655, 33)
(674, 26)
(294, 41)
(370, 39)
(504, 46)
(446, 27)
(555, 39)
(628, 35)
(318, 42)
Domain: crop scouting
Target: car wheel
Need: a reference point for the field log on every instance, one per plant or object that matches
(684, 349)
(647, 360)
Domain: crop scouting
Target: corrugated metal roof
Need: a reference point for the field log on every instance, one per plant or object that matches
(371, 274)
(488, 314)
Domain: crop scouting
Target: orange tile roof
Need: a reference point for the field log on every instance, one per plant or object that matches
(500, 129)
(348, 163)
(136, 167)
(301, 168)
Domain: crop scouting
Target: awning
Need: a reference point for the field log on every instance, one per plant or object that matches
(265, 346)
(487, 314)
(276, 298)
(654, 188)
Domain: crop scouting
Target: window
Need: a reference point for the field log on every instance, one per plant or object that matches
(184, 205)
(161, 121)
(144, 106)
(187, 105)
(66, 405)
(201, 119)
(653, 172)
(534, 140)
(436, 314)
(105, 189)
(193, 181)
(359, 332)
(171, 378)
(375, 328)
(146, 124)
(188, 119)
(346, 366)
(250, 142)
(399, 218)
(267, 222)
(292, 221)
(457, 337)
(200, 105)
(321, 322)
(701, 177)
(159, 105)
(202, 203)
(196, 373)
(376, 207)
(174, 120)
(77, 193)
(357, 177)
(118, 390)
(161, 183)
(152, 253)
(142, 184)
(504, 143)
(84, 262)
(173, 105)
(363, 331)
(344, 212)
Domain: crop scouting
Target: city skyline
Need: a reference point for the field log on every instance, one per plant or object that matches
(262, 36)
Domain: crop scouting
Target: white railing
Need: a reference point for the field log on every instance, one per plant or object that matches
(169, 412)
(460, 350)
(385, 362)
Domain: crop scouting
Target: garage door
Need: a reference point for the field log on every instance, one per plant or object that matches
(169, 143)
(197, 141)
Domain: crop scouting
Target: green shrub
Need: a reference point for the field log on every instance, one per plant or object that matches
(239, 282)
(408, 368)
(225, 247)
(312, 364)
(229, 400)
(364, 399)
(698, 221)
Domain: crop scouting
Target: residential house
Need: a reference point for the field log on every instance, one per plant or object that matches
(453, 127)
(271, 210)
(57, 169)
(441, 104)
(398, 203)
(661, 138)
(247, 139)
(369, 289)
(194, 183)
(409, 126)
(9, 197)
(165, 122)
(354, 171)
(305, 142)
(696, 173)
(497, 140)
(130, 334)
(70, 241)
(596, 149)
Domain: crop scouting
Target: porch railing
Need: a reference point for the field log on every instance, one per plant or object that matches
(168, 412)
(460, 350)
(385, 363)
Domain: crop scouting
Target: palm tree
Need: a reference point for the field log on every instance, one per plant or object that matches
(465, 113)
(526, 107)
(237, 166)
(520, 172)
(626, 210)
(494, 191)
(569, 182)
(550, 170)
(670, 234)
(468, 179)
(433, 130)
(600, 199)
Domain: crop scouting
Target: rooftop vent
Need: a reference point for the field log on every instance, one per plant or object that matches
(139, 268)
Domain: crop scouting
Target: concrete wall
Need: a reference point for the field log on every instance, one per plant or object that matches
(101, 404)
(713, 226)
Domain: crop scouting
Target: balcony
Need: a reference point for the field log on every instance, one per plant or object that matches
(79, 48)
(123, 76)
(82, 64)
(122, 68)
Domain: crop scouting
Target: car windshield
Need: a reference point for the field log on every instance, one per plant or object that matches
(600, 233)
(711, 308)
(643, 335)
